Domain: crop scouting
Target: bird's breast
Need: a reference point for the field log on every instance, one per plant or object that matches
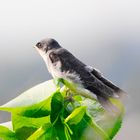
(54, 68)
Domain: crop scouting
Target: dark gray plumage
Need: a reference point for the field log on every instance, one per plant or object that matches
(62, 64)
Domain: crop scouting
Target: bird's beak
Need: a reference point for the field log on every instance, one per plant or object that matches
(37, 49)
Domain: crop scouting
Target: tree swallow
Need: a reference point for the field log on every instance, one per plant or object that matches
(77, 76)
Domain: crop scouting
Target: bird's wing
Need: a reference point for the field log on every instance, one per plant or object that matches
(74, 68)
(94, 84)
(91, 79)
(103, 88)
(108, 83)
(77, 71)
(69, 61)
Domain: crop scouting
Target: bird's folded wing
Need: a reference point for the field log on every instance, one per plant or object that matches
(108, 83)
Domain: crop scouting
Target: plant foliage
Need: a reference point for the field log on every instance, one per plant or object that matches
(47, 113)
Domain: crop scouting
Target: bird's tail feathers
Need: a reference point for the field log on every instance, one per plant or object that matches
(119, 94)
(108, 106)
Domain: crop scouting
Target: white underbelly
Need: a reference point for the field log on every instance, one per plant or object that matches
(54, 68)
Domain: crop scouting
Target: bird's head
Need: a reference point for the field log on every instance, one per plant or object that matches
(46, 45)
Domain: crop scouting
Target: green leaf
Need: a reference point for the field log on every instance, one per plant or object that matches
(7, 125)
(38, 109)
(45, 132)
(7, 134)
(59, 128)
(88, 129)
(98, 130)
(112, 123)
(27, 125)
(57, 115)
(76, 116)
(43, 113)
(107, 122)
(24, 132)
(32, 96)
(56, 106)
(21, 121)
(67, 133)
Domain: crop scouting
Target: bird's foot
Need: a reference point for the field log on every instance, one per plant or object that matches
(69, 95)
(69, 98)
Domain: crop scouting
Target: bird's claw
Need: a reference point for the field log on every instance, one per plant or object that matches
(69, 95)
(69, 98)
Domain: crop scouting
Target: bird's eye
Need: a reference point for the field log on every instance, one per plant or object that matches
(39, 45)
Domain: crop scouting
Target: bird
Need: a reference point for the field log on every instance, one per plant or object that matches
(77, 76)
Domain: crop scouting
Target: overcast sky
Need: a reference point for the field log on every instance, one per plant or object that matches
(102, 33)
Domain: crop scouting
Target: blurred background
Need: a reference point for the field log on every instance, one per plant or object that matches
(102, 33)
